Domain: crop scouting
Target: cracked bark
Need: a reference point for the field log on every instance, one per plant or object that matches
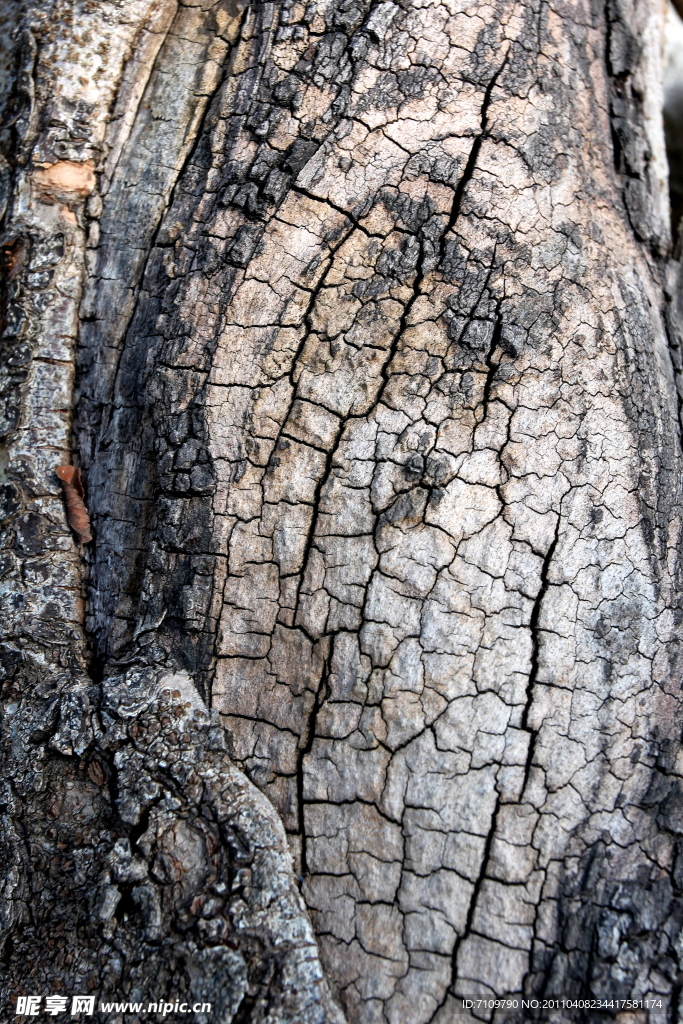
(361, 322)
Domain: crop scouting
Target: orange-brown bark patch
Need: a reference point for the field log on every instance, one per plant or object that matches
(67, 176)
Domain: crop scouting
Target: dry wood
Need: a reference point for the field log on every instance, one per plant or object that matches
(76, 512)
(362, 322)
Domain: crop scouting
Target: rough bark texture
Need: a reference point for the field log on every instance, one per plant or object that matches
(359, 319)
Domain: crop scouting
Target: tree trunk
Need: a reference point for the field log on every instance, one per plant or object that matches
(361, 323)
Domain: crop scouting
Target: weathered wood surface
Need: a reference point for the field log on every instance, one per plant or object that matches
(361, 322)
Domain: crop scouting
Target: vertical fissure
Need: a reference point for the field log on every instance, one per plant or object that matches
(534, 628)
(536, 650)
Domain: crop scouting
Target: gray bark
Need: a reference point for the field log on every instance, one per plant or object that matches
(362, 323)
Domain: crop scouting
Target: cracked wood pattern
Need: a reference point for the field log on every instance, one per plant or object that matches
(376, 393)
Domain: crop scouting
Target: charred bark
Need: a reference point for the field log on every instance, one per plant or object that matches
(361, 323)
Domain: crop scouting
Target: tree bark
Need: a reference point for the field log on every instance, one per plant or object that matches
(361, 323)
